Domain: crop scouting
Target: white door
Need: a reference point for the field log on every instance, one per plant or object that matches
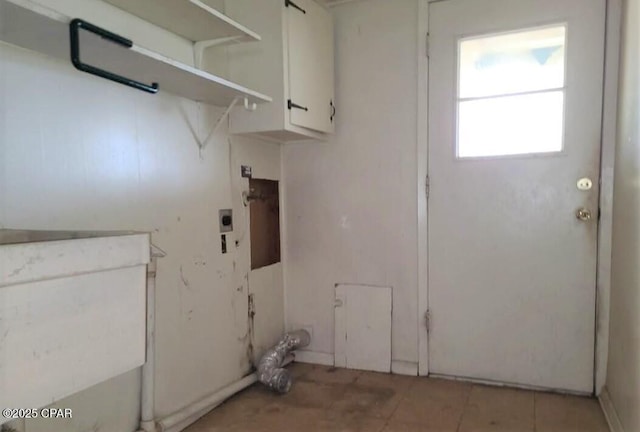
(515, 121)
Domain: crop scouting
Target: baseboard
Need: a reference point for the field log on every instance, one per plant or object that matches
(401, 367)
(314, 357)
(491, 383)
(610, 412)
(398, 367)
(182, 419)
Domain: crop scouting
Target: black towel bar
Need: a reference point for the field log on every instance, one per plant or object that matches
(75, 27)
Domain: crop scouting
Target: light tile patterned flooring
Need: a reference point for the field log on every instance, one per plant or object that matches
(327, 399)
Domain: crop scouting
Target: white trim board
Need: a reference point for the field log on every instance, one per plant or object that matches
(610, 412)
(190, 414)
(422, 160)
(607, 165)
(398, 367)
(401, 367)
(500, 384)
(314, 357)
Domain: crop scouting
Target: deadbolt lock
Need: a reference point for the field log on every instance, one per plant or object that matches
(585, 184)
(583, 214)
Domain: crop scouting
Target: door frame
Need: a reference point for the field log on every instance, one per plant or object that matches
(605, 229)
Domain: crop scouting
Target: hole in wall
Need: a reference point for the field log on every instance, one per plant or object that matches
(264, 209)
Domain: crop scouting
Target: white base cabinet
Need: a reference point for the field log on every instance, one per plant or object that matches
(72, 312)
(294, 63)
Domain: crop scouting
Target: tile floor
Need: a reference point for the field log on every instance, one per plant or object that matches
(326, 399)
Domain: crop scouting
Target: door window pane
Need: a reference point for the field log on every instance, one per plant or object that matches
(512, 93)
(513, 63)
(511, 125)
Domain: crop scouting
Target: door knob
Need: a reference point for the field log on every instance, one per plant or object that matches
(583, 214)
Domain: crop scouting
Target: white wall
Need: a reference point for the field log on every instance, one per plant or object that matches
(351, 210)
(623, 379)
(79, 152)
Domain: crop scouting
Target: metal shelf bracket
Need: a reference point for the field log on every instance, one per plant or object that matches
(248, 106)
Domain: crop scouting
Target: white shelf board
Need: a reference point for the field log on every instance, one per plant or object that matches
(191, 19)
(28, 25)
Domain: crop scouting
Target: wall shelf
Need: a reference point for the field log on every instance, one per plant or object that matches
(191, 19)
(31, 26)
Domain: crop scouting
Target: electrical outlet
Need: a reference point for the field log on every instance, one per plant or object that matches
(226, 220)
(245, 171)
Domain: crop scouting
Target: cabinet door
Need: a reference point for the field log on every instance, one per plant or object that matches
(311, 74)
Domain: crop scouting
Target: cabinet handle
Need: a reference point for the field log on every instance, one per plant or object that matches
(75, 27)
(292, 105)
(288, 3)
(333, 111)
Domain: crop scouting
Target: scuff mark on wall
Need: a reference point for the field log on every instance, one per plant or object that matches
(30, 261)
(244, 314)
(246, 340)
(184, 280)
(251, 316)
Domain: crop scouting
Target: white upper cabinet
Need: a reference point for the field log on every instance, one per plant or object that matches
(294, 63)
(311, 81)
